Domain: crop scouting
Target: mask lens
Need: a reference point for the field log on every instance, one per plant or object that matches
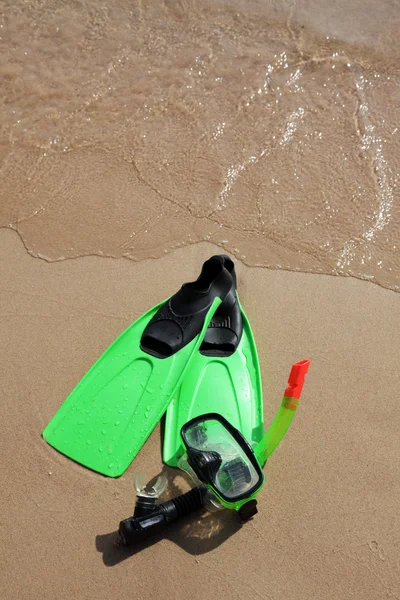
(236, 475)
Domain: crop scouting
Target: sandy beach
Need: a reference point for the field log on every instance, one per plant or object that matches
(328, 519)
(135, 142)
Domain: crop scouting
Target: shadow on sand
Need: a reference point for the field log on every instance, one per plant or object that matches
(196, 534)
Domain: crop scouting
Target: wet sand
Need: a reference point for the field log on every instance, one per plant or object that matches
(328, 516)
(270, 129)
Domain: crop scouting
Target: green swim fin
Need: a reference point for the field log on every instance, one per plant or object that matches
(224, 377)
(109, 415)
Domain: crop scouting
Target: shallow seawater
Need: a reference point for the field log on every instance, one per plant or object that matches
(270, 129)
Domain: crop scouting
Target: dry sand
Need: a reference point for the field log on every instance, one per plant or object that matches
(328, 523)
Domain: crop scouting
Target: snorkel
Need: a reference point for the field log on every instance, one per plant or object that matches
(226, 469)
(283, 418)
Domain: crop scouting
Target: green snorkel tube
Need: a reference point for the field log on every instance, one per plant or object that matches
(283, 418)
(227, 470)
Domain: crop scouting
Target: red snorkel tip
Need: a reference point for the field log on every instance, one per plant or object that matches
(296, 379)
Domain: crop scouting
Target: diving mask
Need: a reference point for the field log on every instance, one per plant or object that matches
(222, 460)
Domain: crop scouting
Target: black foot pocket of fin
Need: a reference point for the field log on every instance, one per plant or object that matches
(226, 327)
(162, 338)
(181, 318)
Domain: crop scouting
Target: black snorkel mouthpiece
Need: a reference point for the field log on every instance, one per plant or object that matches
(137, 528)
